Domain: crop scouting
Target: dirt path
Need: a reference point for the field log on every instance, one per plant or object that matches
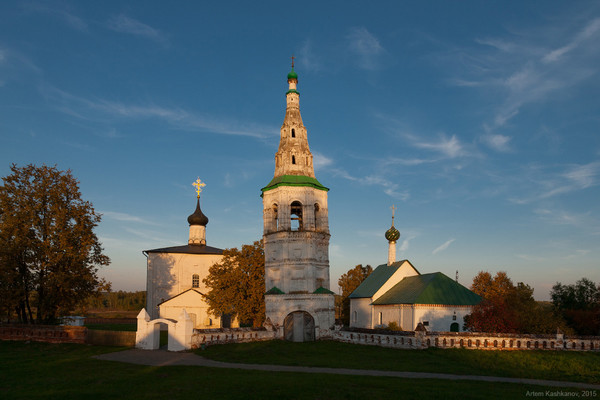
(164, 358)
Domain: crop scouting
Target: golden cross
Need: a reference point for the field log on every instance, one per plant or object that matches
(293, 61)
(393, 207)
(199, 185)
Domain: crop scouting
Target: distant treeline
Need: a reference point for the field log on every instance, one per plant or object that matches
(123, 301)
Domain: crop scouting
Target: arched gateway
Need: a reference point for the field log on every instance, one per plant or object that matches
(299, 326)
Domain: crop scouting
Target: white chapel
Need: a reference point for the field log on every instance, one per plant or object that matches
(175, 275)
(397, 292)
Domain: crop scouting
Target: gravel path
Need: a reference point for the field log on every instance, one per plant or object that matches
(164, 358)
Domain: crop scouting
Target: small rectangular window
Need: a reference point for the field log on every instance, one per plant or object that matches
(425, 323)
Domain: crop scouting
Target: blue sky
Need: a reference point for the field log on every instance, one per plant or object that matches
(478, 120)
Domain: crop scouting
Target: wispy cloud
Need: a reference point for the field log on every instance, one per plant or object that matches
(366, 47)
(124, 24)
(522, 69)
(562, 217)
(578, 253)
(499, 143)
(588, 32)
(99, 109)
(540, 184)
(58, 11)
(390, 188)
(321, 161)
(124, 217)
(448, 146)
(443, 247)
(307, 57)
(148, 235)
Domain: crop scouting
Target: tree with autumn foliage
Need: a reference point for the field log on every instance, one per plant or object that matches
(348, 282)
(507, 308)
(49, 253)
(236, 284)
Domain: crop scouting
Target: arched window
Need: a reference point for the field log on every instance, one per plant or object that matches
(293, 159)
(293, 133)
(380, 318)
(317, 216)
(296, 216)
(195, 280)
(275, 217)
(355, 315)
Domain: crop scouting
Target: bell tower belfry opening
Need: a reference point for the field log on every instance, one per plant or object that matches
(296, 234)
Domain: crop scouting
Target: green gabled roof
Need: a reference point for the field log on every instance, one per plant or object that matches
(294, 180)
(274, 290)
(375, 280)
(322, 290)
(435, 288)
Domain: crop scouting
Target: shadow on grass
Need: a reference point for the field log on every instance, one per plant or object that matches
(68, 371)
(553, 365)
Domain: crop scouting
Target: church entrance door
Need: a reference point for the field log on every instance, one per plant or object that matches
(299, 326)
(226, 321)
(454, 327)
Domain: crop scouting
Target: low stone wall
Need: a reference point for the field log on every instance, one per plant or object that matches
(110, 338)
(396, 340)
(483, 341)
(43, 333)
(468, 340)
(207, 337)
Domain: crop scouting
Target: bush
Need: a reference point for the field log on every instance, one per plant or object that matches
(393, 326)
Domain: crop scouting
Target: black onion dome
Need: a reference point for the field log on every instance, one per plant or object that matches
(198, 218)
(392, 234)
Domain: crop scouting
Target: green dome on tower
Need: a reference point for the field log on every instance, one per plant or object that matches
(292, 75)
(392, 234)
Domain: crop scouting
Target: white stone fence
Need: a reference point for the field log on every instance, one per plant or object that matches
(468, 340)
(207, 337)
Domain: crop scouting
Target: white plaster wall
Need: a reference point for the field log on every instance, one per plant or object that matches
(320, 306)
(171, 273)
(196, 307)
(363, 311)
(296, 261)
(440, 317)
(408, 316)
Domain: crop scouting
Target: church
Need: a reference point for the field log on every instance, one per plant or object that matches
(397, 292)
(175, 275)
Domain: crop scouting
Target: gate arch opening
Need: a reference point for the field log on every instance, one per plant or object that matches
(299, 326)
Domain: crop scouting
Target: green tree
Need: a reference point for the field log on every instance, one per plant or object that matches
(49, 253)
(348, 282)
(236, 285)
(579, 304)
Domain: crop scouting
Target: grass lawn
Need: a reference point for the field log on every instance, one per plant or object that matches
(68, 371)
(553, 365)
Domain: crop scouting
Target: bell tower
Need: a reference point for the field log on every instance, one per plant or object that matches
(296, 234)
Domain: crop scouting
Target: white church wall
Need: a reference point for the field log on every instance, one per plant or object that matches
(171, 273)
(440, 317)
(360, 313)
